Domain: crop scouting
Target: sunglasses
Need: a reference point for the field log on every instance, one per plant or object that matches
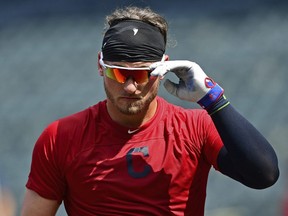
(121, 74)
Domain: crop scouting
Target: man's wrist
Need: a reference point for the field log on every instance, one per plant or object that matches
(221, 103)
(211, 97)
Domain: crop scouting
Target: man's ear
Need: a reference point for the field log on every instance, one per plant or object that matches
(100, 68)
(166, 58)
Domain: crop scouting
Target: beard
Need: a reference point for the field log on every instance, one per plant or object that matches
(135, 107)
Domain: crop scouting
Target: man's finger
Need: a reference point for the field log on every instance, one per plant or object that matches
(160, 69)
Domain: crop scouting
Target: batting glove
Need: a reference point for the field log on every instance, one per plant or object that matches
(194, 85)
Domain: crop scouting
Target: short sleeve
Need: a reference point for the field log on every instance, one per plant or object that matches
(46, 177)
(212, 142)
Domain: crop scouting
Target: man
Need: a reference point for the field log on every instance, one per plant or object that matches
(136, 154)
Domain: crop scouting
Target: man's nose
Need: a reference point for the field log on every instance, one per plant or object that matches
(130, 85)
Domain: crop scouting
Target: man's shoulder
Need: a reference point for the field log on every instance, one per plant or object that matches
(91, 110)
(174, 109)
(172, 113)
(82, 117)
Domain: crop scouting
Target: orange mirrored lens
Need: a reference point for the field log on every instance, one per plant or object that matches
(121, 75)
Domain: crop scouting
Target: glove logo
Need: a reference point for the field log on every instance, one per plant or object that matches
(209, 83)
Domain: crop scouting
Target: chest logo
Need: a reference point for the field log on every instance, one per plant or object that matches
(132, 131)
(146, 169)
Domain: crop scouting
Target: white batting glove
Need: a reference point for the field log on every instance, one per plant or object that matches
(194, 85)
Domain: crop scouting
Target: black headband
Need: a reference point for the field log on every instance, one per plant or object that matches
(133, 41)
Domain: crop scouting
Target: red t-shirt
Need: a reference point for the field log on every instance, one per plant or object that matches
(98, 167)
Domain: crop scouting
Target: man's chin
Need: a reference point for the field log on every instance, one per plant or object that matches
(130, 110)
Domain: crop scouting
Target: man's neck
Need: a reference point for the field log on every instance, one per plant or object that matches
(132, 120)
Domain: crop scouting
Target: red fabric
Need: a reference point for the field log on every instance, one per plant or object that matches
(97, 168)
(285, 205)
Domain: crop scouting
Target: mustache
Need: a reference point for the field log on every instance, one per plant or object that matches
(132, 96)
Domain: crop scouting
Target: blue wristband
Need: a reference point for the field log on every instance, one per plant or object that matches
(211, 97)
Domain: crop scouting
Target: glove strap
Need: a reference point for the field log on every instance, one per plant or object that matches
(211, 97)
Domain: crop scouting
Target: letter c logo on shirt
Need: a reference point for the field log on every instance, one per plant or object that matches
(147, 168)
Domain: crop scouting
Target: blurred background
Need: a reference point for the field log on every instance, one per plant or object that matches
(48, 69)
